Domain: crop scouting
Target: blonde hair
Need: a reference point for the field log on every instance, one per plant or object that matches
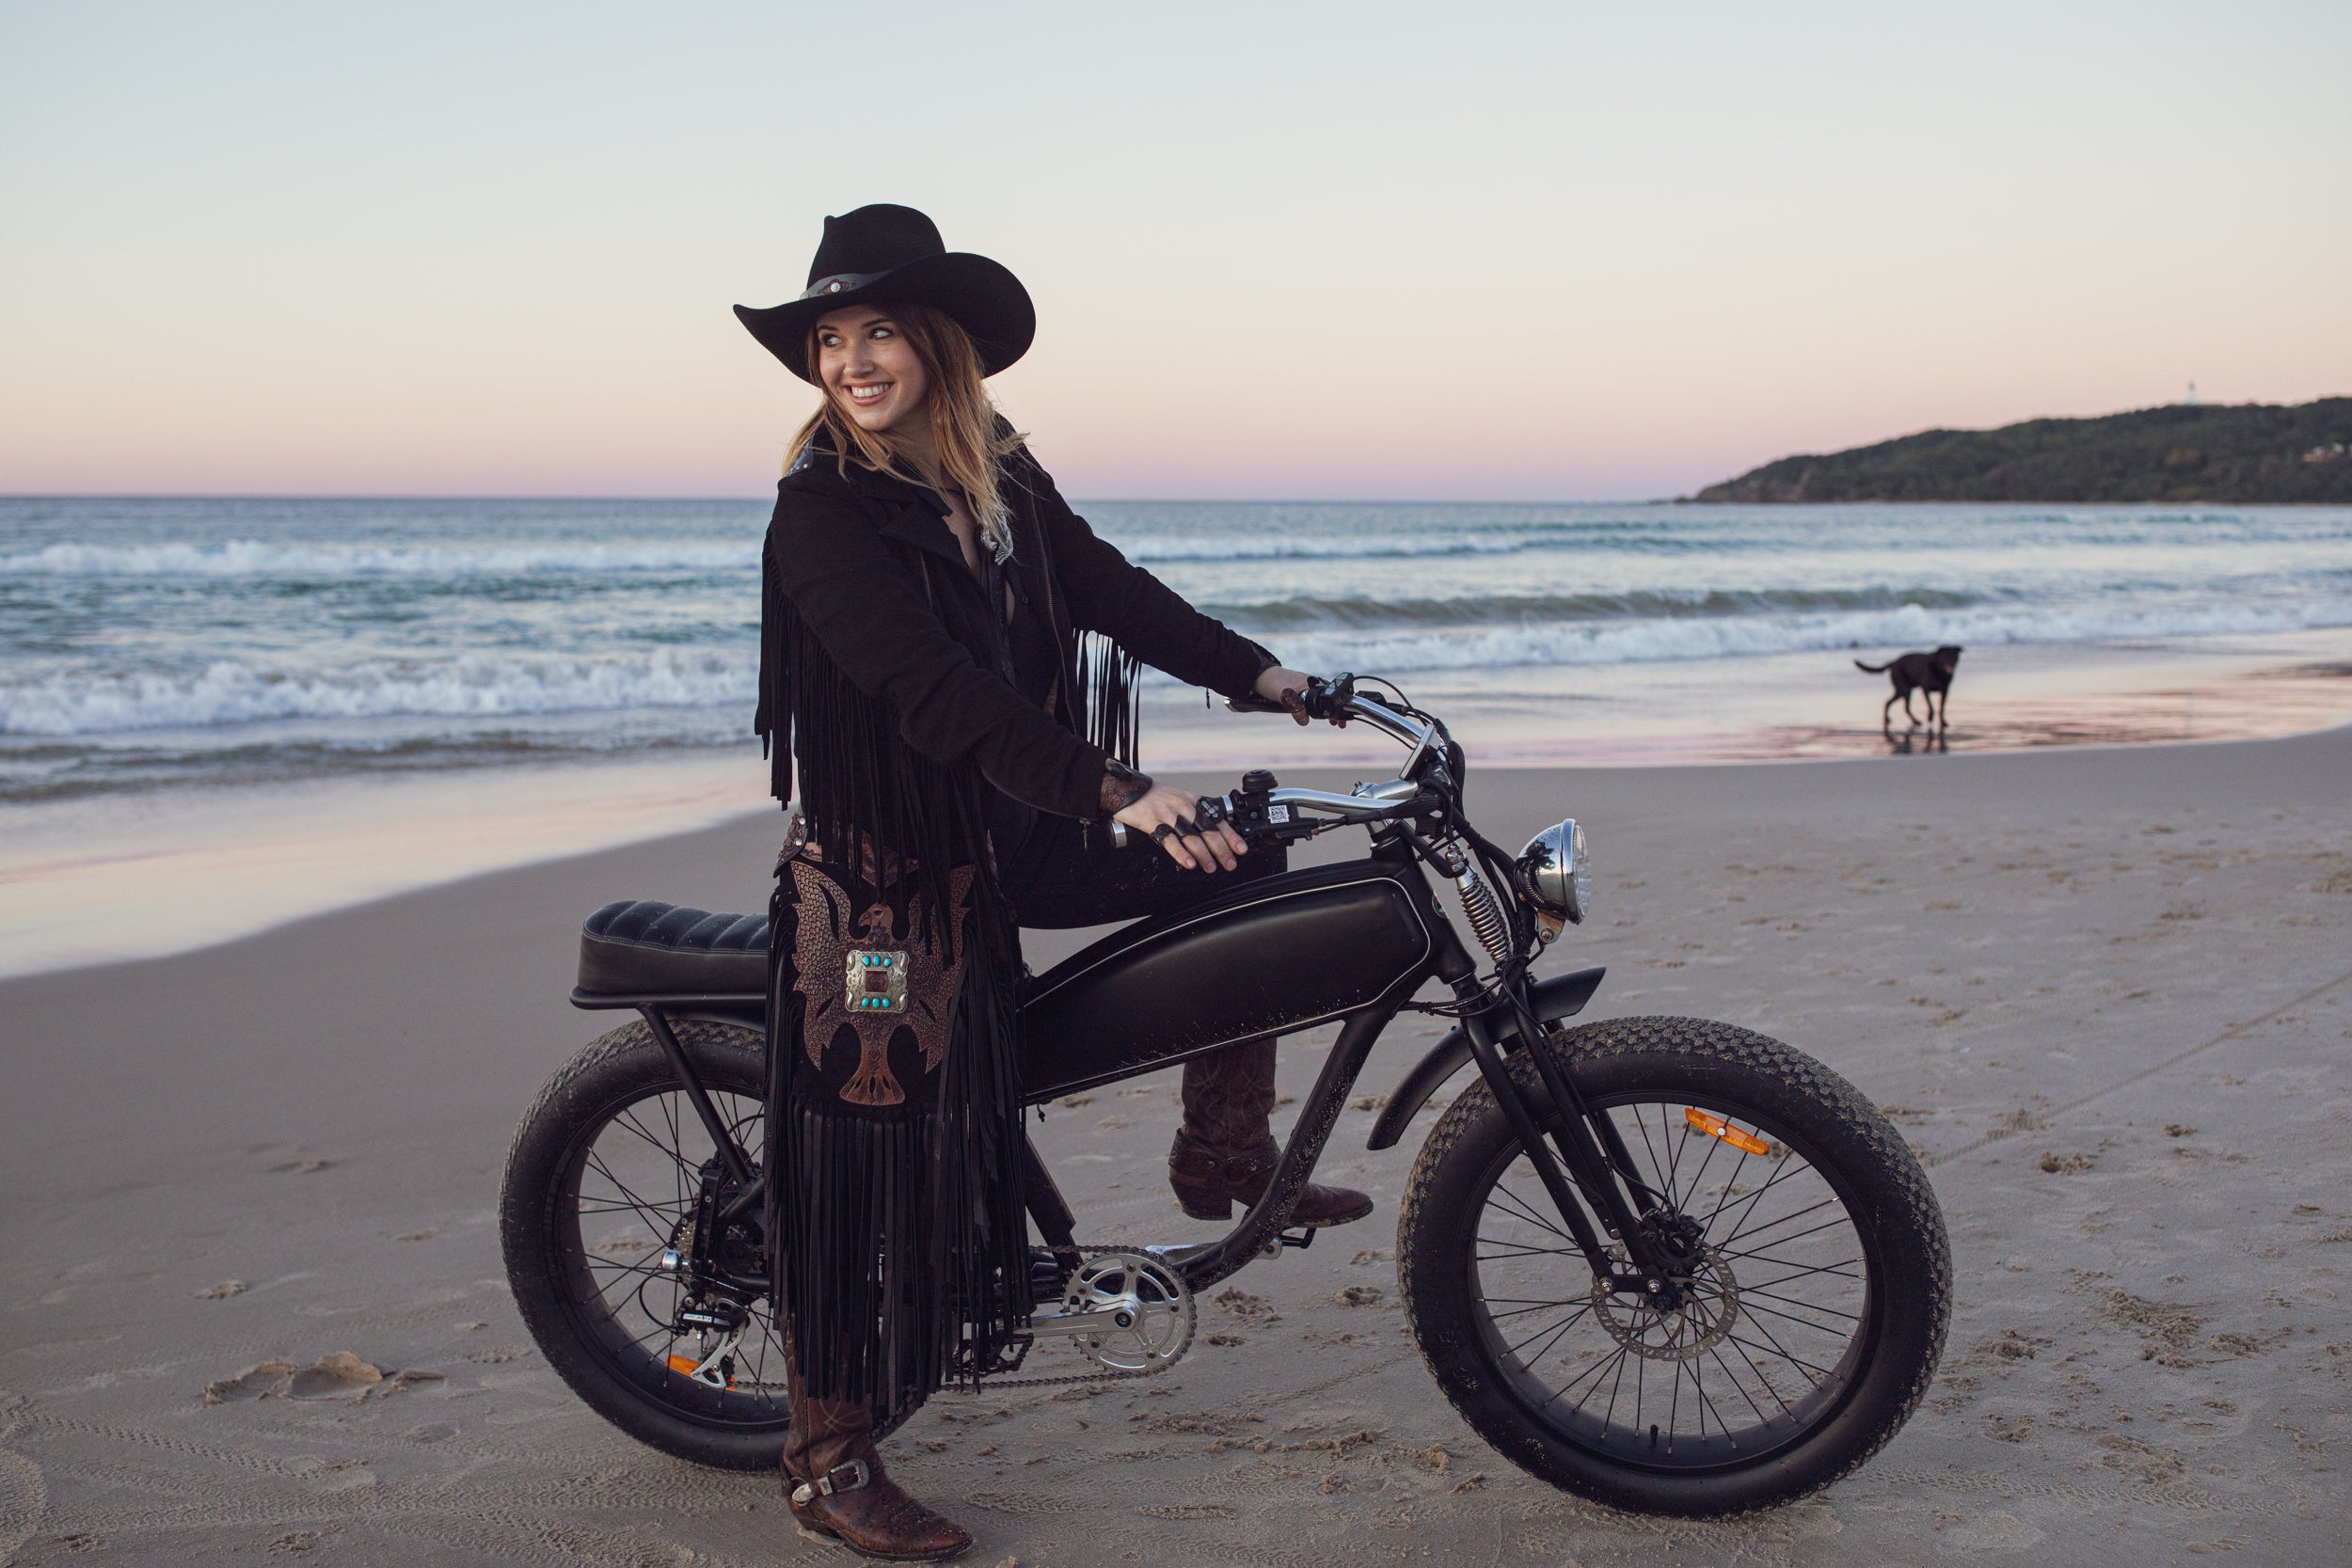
(972, 438)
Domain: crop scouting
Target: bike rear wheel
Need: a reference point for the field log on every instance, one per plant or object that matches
(609, 1168)
(1795, 1345)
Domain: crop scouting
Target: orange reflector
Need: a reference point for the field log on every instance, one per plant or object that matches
(1716, 1127)
(683, 1365)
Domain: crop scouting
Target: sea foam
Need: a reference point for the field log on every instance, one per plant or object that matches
(471, 686)
(248, 558)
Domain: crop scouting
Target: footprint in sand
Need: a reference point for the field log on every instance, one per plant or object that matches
(1242, 1305)
(337, 1375)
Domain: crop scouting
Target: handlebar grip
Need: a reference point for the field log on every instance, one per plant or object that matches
(1323, 698)
(1215, 809)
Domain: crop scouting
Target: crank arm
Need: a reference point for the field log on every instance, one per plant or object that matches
(1106, 1320)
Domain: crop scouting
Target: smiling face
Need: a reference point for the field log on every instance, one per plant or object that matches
(867, 365)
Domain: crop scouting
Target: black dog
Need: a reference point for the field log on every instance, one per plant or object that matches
(1929, 673)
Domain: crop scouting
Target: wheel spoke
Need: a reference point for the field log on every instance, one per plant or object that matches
(1565, 1325)
(1777, 1348)
(644, 1209)
(1835, 1269)
(1749, 1292)
(1512, 1202)
(627, 1123)
(1790, 1167)
(1773, 1225)
(1734, 1342)
(1519, 1251)
(1734, 1378)
(1531, 1361)
(1790, 1316)
(1522, 1311)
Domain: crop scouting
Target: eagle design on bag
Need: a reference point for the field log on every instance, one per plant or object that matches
(859, 972)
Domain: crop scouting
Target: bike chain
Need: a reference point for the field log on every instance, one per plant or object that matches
(991, 1384)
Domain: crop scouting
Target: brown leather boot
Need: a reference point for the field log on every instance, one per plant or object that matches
(834, 1481)
(1225, 1151)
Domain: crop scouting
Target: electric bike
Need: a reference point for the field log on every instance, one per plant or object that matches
(1668, 1264)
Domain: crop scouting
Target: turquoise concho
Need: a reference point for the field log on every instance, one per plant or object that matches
(876, 981)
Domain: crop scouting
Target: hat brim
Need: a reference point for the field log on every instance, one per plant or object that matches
(983, 296)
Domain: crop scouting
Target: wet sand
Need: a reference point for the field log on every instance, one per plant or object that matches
(2107, 993)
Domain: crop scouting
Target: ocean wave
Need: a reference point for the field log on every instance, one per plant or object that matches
(474, 685)
(1356, 611)
(311, 562)
(1211, 550)
(1624, 641)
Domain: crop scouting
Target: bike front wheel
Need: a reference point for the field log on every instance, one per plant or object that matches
(1800, 1339)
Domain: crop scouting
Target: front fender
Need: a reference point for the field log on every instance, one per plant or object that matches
(1562, 996)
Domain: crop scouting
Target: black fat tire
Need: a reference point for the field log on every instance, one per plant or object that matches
(1671, 1056)
(616, 1069)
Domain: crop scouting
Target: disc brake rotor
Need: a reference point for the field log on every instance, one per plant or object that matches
(1708, 1307)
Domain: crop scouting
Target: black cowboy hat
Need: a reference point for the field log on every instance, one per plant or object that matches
(887, 254)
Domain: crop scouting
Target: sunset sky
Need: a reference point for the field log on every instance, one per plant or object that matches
(1442, 250)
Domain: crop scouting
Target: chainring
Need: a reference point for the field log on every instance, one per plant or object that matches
(1138, 1285)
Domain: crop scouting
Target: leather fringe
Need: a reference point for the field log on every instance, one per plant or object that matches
(859, 783)
(1109, 688)
(903, 1256)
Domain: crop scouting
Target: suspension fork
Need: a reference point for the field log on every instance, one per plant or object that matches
(1611, 1155)
(1574, 1160)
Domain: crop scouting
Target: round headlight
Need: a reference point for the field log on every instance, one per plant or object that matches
(1560, 870)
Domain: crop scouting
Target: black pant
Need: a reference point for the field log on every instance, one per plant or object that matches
(1065, 875)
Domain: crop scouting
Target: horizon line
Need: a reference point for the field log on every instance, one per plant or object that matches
(583, 495)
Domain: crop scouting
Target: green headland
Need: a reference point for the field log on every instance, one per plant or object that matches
(2215, 452)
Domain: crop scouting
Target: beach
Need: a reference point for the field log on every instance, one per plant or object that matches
(2106, 990)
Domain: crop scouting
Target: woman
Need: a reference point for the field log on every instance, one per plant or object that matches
(948, 655)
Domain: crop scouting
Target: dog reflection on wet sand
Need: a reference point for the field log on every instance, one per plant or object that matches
(1928, 673)
(1928, 743)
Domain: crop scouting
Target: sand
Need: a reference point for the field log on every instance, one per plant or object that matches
(2107, 993)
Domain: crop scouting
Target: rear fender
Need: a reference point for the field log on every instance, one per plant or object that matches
(1562, 996)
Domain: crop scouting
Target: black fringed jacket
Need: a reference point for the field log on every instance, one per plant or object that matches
(866, 567)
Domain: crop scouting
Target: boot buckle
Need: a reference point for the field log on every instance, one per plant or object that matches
(847, 1477)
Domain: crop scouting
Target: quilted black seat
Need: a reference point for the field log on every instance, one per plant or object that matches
(640, 945)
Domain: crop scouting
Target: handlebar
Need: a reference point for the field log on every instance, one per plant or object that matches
(1418, 812)
(1338, 700)
(1273, 815)
(1261, 811)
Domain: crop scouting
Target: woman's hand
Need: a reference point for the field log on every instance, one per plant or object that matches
(1288, 686)
(1172, 816)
